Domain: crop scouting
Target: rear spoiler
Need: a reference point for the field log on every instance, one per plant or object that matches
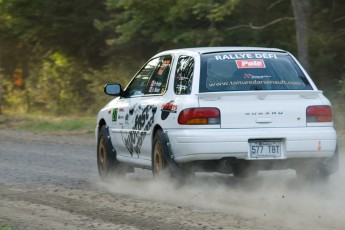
(260, 94)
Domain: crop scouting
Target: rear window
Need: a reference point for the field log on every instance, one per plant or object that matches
(245, 71)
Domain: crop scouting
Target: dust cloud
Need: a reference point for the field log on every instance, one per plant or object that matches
(275, 196)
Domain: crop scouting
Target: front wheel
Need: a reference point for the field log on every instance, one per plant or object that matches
(108, 166)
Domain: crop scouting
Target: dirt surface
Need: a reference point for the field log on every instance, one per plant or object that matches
(50, 181)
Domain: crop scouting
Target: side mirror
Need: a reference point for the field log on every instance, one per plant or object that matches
(113, 89)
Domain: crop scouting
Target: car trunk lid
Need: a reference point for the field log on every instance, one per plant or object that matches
(261, 109)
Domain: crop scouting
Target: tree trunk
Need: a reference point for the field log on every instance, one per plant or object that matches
(301, 9)
(0, 85)
(25, 76)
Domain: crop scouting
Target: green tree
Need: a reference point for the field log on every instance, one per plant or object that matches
(32, 31)
(168, 24)
(63, 26)
(65, 50)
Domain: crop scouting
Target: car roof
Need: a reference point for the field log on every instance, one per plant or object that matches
(204, 50)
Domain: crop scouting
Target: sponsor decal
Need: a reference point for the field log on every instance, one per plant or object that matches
(182, 78)
(252, 63)
(250, 76)
(114, 115)
(237, 56)
(155, 87)
(143, 121)
(253, 82)
(181, 88)
(168, 108)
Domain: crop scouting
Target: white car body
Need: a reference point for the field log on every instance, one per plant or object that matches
(266, 127)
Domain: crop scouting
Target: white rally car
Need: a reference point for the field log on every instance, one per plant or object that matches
(233, 110)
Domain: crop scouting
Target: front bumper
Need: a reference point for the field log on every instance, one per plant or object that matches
(189, 145)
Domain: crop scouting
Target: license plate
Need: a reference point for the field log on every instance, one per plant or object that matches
(265, 149)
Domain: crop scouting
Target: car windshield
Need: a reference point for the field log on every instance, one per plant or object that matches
(245, 71)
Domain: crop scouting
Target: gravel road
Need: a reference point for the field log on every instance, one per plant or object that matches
(50, 181)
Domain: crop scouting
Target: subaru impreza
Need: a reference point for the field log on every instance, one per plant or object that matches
(232, 110)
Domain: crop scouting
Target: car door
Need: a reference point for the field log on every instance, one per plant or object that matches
(136, 111)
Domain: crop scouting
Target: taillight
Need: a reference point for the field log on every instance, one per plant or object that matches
(319, 113)
(199, 116)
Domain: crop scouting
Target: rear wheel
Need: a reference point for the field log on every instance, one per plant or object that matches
(162, 164)
(321, 169)
(160, 150)
(330, 165)
(108, 166)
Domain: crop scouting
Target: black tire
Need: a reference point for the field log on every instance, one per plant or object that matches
(108, 166)
(163, 165)
(330, 166)
(319, 169)
(159, 152)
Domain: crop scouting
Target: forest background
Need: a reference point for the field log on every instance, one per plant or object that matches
(56, 56)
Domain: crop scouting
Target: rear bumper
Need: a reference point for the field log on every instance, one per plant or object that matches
(189, 145)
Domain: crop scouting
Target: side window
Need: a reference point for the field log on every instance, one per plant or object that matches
(138, 85)
(159, 79)
(184, 75)
(151, 79)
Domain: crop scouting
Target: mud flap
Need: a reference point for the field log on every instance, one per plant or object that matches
(109, 144)
(331, 164)
(115, 163)
(175, 169)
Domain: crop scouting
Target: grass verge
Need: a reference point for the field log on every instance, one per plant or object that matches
(48, 124)
(5, 227)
